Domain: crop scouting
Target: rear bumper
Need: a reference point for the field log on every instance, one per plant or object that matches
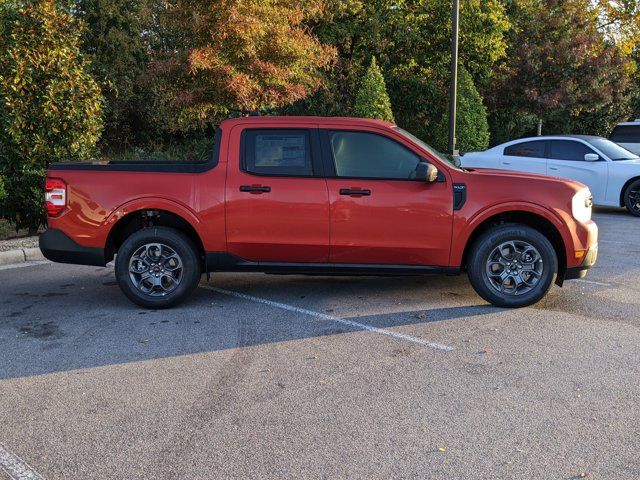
(588, 262)
(57, 246)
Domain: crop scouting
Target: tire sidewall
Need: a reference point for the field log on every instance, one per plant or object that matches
(483, 247)
(627, 201)
(174, 239)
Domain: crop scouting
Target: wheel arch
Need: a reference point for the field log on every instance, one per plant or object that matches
(623, 190)
(135, 220)
(524, 217)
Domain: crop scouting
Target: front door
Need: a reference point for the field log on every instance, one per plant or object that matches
(277, 205)
(566, 160)
(380, 214)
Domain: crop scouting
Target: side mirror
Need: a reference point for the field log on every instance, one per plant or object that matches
(426, 172)
(591, 157)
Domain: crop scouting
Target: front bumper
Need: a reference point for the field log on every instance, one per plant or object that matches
(57, 246)
(589, 261)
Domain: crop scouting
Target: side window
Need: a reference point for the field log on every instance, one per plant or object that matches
(568, 150)
(283, 152)
(626, 134)
(369, 155)
(527, 149)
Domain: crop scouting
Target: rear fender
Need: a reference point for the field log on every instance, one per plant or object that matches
(154, 203)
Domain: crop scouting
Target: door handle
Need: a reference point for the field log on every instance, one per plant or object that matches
(506, 163)
(355, 192)
(256, 189)
(554, 168)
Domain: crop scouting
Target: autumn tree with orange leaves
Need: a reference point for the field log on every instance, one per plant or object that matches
(228, 56)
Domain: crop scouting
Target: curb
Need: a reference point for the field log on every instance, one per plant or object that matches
(21, 255)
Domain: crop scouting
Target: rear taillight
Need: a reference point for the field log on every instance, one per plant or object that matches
(55, 195)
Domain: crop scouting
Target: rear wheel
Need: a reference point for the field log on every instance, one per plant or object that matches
(512, 266)
(157, 267)
(632, 198)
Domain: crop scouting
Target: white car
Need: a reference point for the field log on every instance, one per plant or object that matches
(627, 135)
(611, 172)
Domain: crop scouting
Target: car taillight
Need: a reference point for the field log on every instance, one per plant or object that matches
(55, 195)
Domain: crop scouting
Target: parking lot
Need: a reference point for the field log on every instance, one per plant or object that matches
(263, 376)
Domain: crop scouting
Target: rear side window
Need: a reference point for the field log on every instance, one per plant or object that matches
(527, 149)
(282, 152)
(369, 155)
(568, 150)
(626, 134)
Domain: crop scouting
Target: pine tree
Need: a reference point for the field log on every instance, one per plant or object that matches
(472, 127)
(372, 100)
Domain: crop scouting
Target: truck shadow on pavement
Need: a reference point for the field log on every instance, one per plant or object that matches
(48, 326)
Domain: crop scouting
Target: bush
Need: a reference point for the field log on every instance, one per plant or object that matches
(50, 107)
(196, 149)
(372, 100)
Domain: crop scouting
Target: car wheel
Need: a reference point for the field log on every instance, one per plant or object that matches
(512, 266)
(632, 198)
(157, 267)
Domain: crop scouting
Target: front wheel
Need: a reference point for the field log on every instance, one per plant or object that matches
(512, 266)
(157, 267)
(632, 198)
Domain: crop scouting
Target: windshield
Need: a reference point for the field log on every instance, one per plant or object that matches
(426, 147)
(612, 150)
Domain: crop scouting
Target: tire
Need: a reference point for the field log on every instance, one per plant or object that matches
(527, 257)
(158, 267)
(632, 198)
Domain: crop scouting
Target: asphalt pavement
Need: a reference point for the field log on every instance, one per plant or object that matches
(264, 376)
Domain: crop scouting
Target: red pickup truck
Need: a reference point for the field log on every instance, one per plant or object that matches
(328, 196)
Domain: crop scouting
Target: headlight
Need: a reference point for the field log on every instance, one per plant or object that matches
(581, 205)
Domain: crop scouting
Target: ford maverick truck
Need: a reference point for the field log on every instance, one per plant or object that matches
(325, 196)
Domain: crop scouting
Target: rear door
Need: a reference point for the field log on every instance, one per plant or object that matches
(566, 160)
(527, 156)
(277, 205)
(379, 213)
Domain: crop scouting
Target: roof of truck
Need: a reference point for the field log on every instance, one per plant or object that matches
(267, 119)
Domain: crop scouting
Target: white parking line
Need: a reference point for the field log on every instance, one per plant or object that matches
(15, 467)
(593, 282)
(323, 316)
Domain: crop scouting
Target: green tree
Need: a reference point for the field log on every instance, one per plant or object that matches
(411, 41)
(372, 100)
(118, 39)
(50, 107)
(559, 69)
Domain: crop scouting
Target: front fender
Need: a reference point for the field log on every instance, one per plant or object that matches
(465, 227)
